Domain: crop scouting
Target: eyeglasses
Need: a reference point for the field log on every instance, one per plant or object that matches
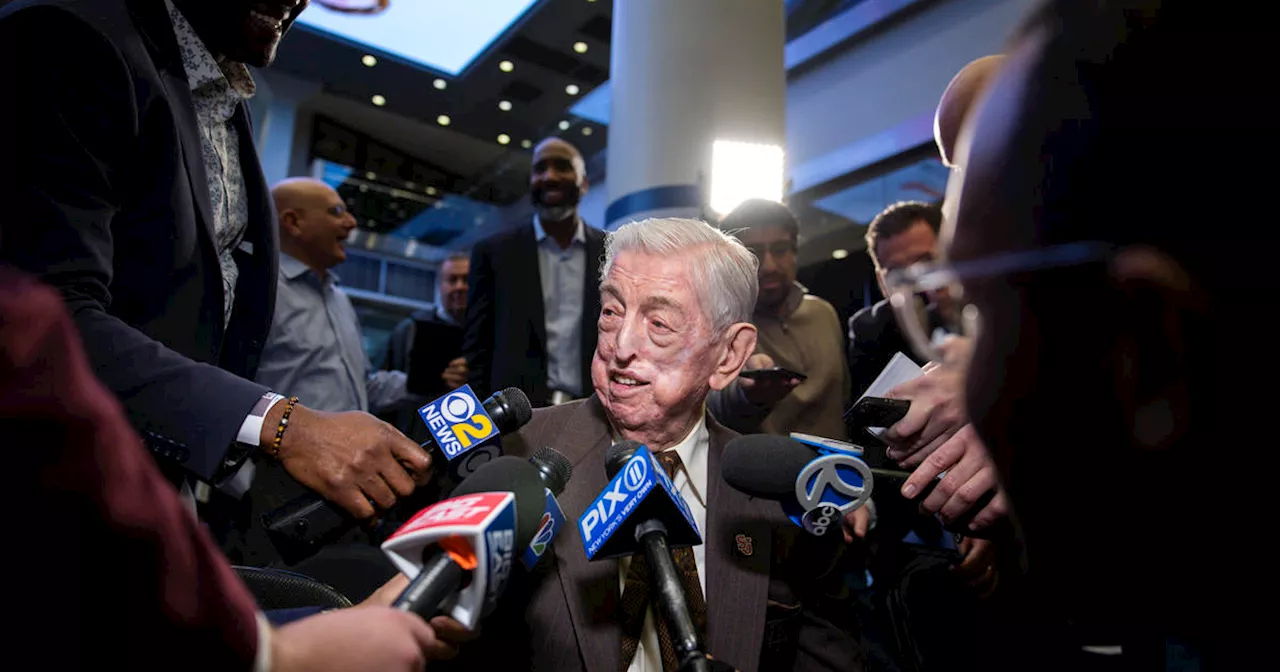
(929, 301)
(778, 248)
(337, 210)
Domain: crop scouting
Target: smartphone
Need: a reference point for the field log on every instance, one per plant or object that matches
(876, 412)
(776, 372)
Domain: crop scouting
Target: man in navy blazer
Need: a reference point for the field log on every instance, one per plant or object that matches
(131, 185)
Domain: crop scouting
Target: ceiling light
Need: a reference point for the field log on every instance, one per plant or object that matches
(370, 175)
(580, 47)
(839, 254)
(572, 89)
(443, 120)
(369, 60)
(564, 125)
(504, 139)
(431, 191)
(379, 100)
(586, 130)
(504, 105)
(440, 84)
(506, 66)
(526, 143)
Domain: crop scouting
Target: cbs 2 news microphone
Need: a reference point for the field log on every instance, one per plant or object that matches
(462, 428)
(641, 512)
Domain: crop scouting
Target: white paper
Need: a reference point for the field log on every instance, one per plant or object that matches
(899, 370)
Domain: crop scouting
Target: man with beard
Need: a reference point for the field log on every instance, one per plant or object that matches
(131, 184)
(533, 292)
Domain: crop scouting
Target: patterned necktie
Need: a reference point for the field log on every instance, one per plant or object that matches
(635, 593)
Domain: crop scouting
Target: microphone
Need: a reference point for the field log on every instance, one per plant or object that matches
(459, 424)
(645, 514)
(815, 490)
(555, 471)
(459, 551)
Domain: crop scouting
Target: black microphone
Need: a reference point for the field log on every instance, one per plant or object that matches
(303, 525)
(555, 471)
(771, 467)
(465, 545)
(666, 589)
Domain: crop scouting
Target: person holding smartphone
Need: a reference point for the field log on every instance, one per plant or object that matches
(797, 380)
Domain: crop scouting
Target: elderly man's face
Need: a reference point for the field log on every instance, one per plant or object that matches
(657, 356)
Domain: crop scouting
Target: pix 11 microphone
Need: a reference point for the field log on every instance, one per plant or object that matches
(459, 551)
(659, 516)
(459, 423)
(555, 471)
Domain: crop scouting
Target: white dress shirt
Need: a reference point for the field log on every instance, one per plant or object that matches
(563, 273)
(692, 478)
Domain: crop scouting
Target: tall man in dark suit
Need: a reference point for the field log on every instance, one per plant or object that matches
(133, 187)
(675, 324)
(533, 292)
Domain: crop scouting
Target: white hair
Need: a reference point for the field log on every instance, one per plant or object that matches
(723, 270)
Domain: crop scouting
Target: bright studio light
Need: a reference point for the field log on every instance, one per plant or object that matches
(744, 170)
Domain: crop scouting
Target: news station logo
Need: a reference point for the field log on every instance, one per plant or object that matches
(458, 421)
(466, 510)
(619, 498)
(501, 544)
(552, 520)
(829, 486)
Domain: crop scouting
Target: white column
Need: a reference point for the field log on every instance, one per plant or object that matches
(685, 74)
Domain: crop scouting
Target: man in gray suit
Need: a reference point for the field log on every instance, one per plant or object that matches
(677, 297)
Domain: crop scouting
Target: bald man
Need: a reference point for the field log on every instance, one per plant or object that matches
(534, 300)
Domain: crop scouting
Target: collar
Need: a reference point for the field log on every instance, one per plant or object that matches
(792, 303)
(201, 66)
(444, 316)
(579, 235)
(292, 269)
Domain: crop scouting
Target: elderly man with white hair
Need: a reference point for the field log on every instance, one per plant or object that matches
(675, 324)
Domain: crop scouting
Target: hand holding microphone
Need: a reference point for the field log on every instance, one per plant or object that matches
(969, 493)
(458, 423)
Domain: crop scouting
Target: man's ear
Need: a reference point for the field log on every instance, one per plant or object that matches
(584, 186)
(884, 291)
(289, 225)
(738, 344)
(1158, 311)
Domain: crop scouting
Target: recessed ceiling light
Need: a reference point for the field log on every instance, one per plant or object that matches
(440, 84)
(839, 254)
(504, 139)
(369, 60)
(364, 188)
(443, 120)
(370, 175)
(506, 66)
(572, 89)
(564, 125)
(580, 47)
(379, 100)
(526, 143)
(586, 130)
(431, 191)
(504, 105)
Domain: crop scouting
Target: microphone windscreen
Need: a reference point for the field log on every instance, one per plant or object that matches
(555, 468)
(519, 407)
(764, 466)
(519, 477)
(618, 454)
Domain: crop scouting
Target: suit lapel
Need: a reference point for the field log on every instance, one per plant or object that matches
(526, 266)
(590, 588)
(739, 546)
(591, 300)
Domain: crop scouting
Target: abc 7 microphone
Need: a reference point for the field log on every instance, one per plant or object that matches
(461, 427)
(815, 488)
(460, 551)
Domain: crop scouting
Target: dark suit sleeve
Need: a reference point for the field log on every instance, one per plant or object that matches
(68, 154)
(868, 354)
(132, 578)
(477, 338)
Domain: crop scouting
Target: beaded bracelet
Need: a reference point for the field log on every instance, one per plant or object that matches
(284, 423)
